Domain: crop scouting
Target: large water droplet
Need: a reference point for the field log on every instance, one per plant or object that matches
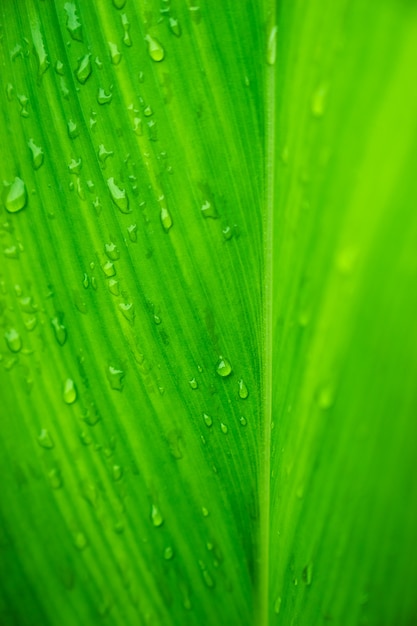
(13, 340)
(155, 49)
(115, 54)
(75, 166)
(73, 130)
(115, 377)
(103, 154)
(45, 439)
(223, 367)
(271, 51)
(209, 210)
(112, 251)
(69, 393)
(73, 24)
(156, 516)
(16, 198)
(103, 97)
(118, 195)
(84, 68)
(109, 269)
(126, 28)
(243, 390)
(128, 311)
(36, 154)
(207, 420)
(113, 287)
(166, 219)
(39, 47)
(119, 4)
(60, 331)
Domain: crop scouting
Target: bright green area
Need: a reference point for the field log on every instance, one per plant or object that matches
(208, 313)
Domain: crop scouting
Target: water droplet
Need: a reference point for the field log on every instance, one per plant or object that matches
(84, 69)
(277, 605)
(152, 130)
(23, 101)
(16, 198)
(118, 195)
(60, 331)
(13, 340)
(195, 12)
(59, 68)
(103, 154)
(119, 4)
(207, 420)
(85, 438)
(128, 311)
(147, 111)
(243, 390)
(55, 480)
(206, 575)
(75, 166)
(36, 154)
(307, 574)
(80, 541)
(224, 428)
(205, 511)
(113, 286)
(103, 97)
(115, 377)
(86, 282)
(155, 50)
(45, 439)
(174, 26)
(223, 367)
(108, 269)
(73, 24)
(117, 472)
(208, 210)
(193, 383)
(115, 54)
(69, 393)
(112, 251)
(271, 51)
(166, 219)
(156, 516)
(168, 553)
(73, 130)
(325, 397)
(30, 323)
(39, 46)
(126, 28)
(243, 421)
(318, 100)
(133, 232)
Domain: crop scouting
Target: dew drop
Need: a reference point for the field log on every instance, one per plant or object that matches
(36, 153)
(108, 269)
(128, 311)
(103, 97)
(174, 26)
(16, 198)
(103, 154)
(156, 516)
(307, 574)
(318, 100)
(133, 232)
(115, 377)
(69, 393)
(207, 420)
(13, 340)
(155, 50)
(325, 397)
(40, 52)
(80, 541)
(112, 251)
(271, 51)
(205, 511)
(45, 439)
(193, 383)
(55, 480)
(118, 195)
(223, 367)
(75, 166)
(73, 24)
(224, 428)
(60, 331)
(117, 472)
(277, 605)
(137, 126)
(84, 68)
(208, 210)
(115, 54)
(147, 111)
(113, 286)
(119, 4)
(59, 68)
(73, 130)
(243, 421)
(195, 12)
(126, 28)
(85, 438)
(168, 553)
(243, 390)
(86, 282)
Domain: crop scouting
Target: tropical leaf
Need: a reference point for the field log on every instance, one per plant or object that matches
(208, 306)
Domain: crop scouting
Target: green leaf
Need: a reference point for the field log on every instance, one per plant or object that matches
(208, 311)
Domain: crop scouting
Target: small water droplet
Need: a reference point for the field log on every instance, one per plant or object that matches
(73, 130)
(243, 421)
(55, 480)
(59, 68)
(60, 331)
(119, 4)
(108, 269)
(69, 393)
(223, 367)
(155, 49)
(113, 286)
(16, 198)
(133, 232)
(156, 516)
(73, 24)
(86, 282)
(193, 383)
(207, 420)
(103, 97)
(115, 377)
(174, 26)
(168, 553)
(126, 28)
(75, 166)
(147, 111)
(128, 311)
(208, 210)
(13, 340)
(84, 69)
(271, 51)
(117, 472)
(85, 438)
(115, 54)
(319, 100)
(39, 47)
(80, 541)
(307, 574)
(36, 154)
(243, 390)
(45, 439)
(152, 130)
(103, 154)
(204, 511)
(112, 251)
(118, 195)
(195, 12)
(224, 428)
(277, 605)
